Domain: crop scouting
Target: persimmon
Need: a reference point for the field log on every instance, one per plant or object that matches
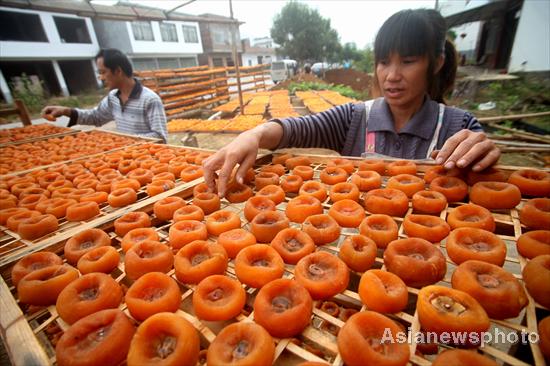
(267, 224)
(6, 213)
(472, 243)
(143, 176)
(125, 183)
(306, 172)
(531, 182)
(102, 338)
(380, 228)
(126, 166)
(237, 192)
(82, 211)
(97, 197)
(534, 243)
(222, 221)
(183, 232)
(495, 195)
(383, 291)
(122, 197)
(362, 341)
(100, 259)
(30, 201)
(439, 171)
(406, 183)
(366, 180)
(442, 309)
(58, 184)
(233, 241)
(454, 189)
(374, 165)
(263, 179)
(283, 307)
(292, 163)
(536, 276)
(273, 192)
(301, 207)
(343, 163)
(315, 189)
(255, 205)
(278, 169)
(544, 333)
(292, 245)
(165, 176)
(401, 167)
(32, 262)
(497, 291)
(83, 242)
(344, 190)
(190, 173)
(86, 295)
(241, 344)
(333, 175)
(461, 357)
(218, 297)
(258, 264)
(429, 202)
(322, 274)
(358, 252)
(208, 202)
(280, 158)
(165, 208)
(387, 201)
(291, 183)
(347, 213)
(416, 261)
(189, 212)
(138, 235)
(158, 186)
(147, 256)
(131, 220)
(164, 339)
(55, 206)
(41, 287)
(535, 213)
(431, 228)
(152, 293)
(471, 215)
(322, 228)
(13, 222)
(198, 260)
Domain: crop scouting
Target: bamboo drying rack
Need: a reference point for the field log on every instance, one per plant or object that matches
(29, 336)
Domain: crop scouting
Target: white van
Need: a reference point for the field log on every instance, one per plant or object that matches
(282, 70)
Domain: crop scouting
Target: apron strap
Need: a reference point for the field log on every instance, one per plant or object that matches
(370, 142)
(437, 132)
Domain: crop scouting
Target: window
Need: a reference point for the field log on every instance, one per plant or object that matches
(220, 37)
(168, 32)
(217, 62)
(188, 62)
(168, 63)
(142, 31)
(21, 27)
(72, 30)
(249, 62)
(190, 34)
(144, 64)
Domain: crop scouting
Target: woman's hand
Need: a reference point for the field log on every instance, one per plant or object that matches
(55, 111)
(467, 147)
(242, 150)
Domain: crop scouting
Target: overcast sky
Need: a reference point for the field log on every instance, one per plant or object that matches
(355, 20)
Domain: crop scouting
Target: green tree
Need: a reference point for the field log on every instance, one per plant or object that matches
(365, 62)
(304, 35)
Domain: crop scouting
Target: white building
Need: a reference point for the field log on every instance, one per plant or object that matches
(257, 54)
(58, 48)
(508, 34)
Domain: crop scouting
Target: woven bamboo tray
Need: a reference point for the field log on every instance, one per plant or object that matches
(63, 131)
(30, 337)
(13, 247)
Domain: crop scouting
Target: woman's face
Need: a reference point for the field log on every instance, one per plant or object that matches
(402, 80)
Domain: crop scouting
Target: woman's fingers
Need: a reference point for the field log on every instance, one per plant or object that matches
(210, 165)
(474, 153)
(488, 160)
(450, 146)
(247, 163)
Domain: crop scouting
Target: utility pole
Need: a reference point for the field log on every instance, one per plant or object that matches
(235, 60)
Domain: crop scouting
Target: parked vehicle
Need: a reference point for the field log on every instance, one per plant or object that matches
(282, 70)
(318, 67)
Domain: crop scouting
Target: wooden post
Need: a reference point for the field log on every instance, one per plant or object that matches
(235, 60)
(23, 112)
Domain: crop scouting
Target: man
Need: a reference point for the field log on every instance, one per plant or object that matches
(136, 109)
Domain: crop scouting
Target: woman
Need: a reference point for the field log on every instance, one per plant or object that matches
(415, 67)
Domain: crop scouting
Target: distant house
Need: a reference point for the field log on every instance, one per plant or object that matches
(55, 42)
(53, 47)
(257, 54)
(513, 35)
(217, 40)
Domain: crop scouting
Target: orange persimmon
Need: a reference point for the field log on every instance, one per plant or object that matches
(380, 228)
(292, 245)
(267, 224)
(300, 208)
(322, 228)
(347, 213)
(322, 274)
(258, 264)
(198, 260)
(152, 293)
(233, 241)
(147, 256)
(358, 252)
(218, 297)
(383, 291)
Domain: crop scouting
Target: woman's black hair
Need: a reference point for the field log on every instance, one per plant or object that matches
(419, 32)
(113, 59)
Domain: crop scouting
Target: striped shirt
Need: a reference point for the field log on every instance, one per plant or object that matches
(142, 115)
(343, 128)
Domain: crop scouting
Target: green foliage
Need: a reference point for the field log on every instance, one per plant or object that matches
(304, 35)
(513, 96)
(32, 95)
(365, 62)
(342, 89)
